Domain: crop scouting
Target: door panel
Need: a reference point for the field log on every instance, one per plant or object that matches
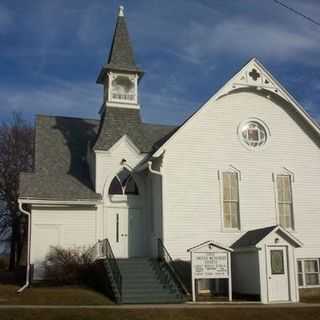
(125, 231)
(278, 279)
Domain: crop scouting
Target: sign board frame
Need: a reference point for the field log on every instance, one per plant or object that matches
(210, 260)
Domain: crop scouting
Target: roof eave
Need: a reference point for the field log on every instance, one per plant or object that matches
(56, 201)
(108, 67)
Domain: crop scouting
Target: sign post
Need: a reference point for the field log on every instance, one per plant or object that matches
(210, 260)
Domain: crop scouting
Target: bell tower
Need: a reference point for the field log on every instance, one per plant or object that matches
(120, 75)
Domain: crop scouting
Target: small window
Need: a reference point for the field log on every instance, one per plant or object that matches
(115, 186)
(285, 208)
(308, 272)
(231, 200)
(123, 183)
(277, 263)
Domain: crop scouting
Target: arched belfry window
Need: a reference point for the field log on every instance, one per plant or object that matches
(123, 184)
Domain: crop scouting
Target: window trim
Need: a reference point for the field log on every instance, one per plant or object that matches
(304, 274)
(231, 169)
(290, 174)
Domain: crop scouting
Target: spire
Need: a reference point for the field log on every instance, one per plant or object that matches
(121, 57)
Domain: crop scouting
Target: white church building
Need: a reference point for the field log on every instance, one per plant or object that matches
(242, 172)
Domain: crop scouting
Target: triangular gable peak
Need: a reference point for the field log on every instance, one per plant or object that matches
(258, 237)
(208, 246)
(286, 235)
(252, 76)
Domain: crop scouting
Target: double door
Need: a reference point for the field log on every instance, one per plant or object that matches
(125, 231)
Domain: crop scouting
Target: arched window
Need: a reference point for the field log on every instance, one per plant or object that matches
(123, 183)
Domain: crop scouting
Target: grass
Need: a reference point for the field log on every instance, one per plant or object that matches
(166, 314)
(38, 295)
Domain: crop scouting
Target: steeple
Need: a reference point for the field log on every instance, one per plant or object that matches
(121, 56)
(120, 112)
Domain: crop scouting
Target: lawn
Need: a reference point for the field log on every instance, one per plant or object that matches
(166, 314)
(38, 295)
(51, 296)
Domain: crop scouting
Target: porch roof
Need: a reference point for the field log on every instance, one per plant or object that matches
(253, 237)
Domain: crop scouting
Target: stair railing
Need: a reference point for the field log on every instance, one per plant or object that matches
(105, 252)
(164, 257)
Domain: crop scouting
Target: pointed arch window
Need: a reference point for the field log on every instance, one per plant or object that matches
(123, 184)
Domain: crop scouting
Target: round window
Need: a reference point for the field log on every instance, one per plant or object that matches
(253, 134)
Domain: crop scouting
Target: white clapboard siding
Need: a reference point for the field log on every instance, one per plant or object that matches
(67, 227)
(209, 143)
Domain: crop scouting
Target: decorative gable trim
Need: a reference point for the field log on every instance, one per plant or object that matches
(255, 76)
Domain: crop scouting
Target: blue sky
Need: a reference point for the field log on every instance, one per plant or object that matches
(51, 52)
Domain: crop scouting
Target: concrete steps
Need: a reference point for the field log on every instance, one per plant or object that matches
(142, 282)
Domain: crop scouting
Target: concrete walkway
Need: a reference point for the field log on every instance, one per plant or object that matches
(239, 305)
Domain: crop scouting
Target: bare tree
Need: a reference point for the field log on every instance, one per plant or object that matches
(16, 156)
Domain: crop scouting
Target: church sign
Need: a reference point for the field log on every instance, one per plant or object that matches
(206, 265)
(210, 260)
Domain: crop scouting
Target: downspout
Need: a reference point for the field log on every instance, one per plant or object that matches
(159, 174)
(28, 214)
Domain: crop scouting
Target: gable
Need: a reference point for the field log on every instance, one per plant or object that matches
(256, 237)
(255, 78)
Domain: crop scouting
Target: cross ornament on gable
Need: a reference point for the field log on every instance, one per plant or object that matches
(254, 74)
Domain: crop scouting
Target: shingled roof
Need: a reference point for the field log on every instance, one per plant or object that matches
(252, 237)
(117, 122)
(121, 55)
(61, 170)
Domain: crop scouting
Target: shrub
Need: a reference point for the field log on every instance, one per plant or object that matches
(69, 266)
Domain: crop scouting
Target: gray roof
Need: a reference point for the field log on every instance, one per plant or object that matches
(61, 170)
(252, 237)
(117, 122)
(121, 56)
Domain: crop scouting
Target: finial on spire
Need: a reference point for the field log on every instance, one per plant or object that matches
(121, 11)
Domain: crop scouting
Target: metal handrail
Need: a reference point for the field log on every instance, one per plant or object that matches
(105, 251)
(164, 255)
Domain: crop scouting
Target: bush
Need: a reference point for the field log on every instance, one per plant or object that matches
(69, 266)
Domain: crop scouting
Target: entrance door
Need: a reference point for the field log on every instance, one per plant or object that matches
(125, 232)
(278, 279)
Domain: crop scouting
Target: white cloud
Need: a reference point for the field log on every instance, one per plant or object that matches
(247, 38)
(56, 98)
(176, 107)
